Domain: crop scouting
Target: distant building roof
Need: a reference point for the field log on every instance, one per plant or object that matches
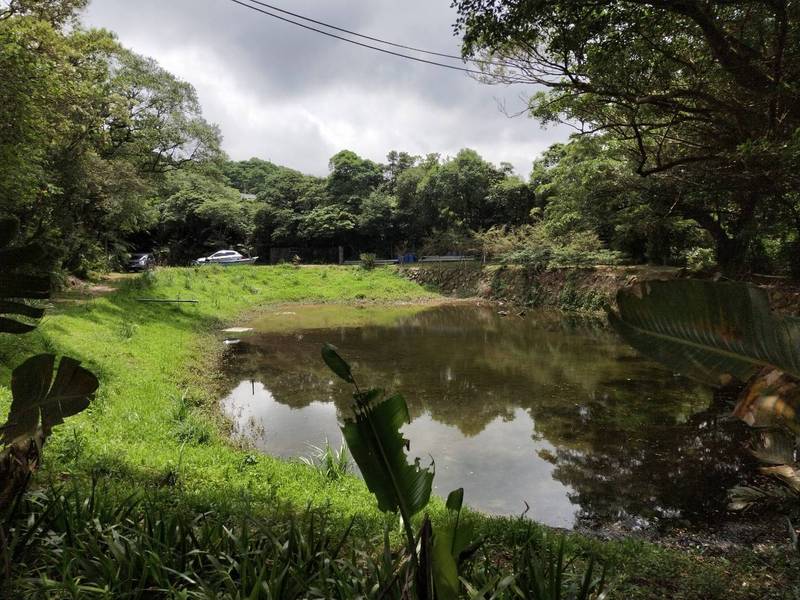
(248, 196)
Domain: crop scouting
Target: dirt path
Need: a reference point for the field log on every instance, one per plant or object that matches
(78, 289)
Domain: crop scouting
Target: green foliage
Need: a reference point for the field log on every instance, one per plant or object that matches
(700, 259)
(199, 215)
(714, 332)
(408, 203)
(367, 260)
(92, 127)
(545, 572)
(41, 401)
(18, 289)
(641, 76)
(379, 450)
(332, 463)
(143, 543)
(451, 542)
(537, 246)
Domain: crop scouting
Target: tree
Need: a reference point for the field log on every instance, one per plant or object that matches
(155, 119)
(510, 200)
(331, 224)
(250, 176)
(89, 129)
(702, 95)
(54, 12)
(377, 221)
(352, 178)
(198, 214)
(396, 164)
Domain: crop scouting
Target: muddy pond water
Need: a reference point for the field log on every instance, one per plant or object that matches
(544, 413)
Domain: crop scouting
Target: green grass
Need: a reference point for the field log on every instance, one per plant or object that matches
(155, 430)
(155, 415)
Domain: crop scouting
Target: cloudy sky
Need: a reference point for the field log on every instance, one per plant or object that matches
(296, 97)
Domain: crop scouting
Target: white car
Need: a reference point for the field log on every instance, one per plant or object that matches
(225, 257)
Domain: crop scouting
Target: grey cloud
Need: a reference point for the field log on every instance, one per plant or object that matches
(297, 97)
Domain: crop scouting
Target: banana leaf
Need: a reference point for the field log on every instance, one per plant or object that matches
(37, 398)
(714, 332)
(16, 287)
(379, 449)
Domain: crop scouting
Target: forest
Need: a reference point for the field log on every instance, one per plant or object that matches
(106, 153)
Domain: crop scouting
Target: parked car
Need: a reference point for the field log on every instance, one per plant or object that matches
(225, 257)
(140, 261)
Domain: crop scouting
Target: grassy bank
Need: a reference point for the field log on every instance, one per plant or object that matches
(154, 431)
(155, 417)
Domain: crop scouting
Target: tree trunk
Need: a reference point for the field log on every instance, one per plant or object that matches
(732, 254)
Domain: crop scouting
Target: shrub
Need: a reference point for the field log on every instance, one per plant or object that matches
(451, 241)
(367, 260)
(700, 259)
(535, 245)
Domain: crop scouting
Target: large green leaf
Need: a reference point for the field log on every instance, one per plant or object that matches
(16, 287)
(450, 539)
(710, 331)
(336, 363)
(378, 448)
(37, 398)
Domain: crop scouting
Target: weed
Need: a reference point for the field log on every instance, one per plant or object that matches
(70, 447)
(147, 544)
(329, 461)
(127, 329)
(191, 427)
(194, 430)
(248, 460)
(367, 261)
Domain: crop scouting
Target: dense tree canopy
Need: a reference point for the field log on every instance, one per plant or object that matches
(89, 131)
(388, 208)
(703, 96)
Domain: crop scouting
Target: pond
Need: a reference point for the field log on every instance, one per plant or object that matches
(538, 413)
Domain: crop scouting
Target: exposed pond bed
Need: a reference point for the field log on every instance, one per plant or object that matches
(543, 413)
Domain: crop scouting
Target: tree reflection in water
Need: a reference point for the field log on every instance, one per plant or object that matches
(615, 435)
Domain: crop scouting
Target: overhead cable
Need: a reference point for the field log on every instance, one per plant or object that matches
(357, 43)
(379, 40)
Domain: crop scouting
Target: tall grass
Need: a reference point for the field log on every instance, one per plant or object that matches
(71, 542)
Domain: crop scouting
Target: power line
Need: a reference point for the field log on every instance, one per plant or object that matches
(379, 40)
(363, 45)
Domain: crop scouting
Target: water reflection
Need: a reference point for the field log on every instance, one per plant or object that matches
(550, 411)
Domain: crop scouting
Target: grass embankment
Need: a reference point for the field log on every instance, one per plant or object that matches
(155, 419)
(154, 429)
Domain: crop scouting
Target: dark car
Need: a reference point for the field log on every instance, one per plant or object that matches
(140, 261)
